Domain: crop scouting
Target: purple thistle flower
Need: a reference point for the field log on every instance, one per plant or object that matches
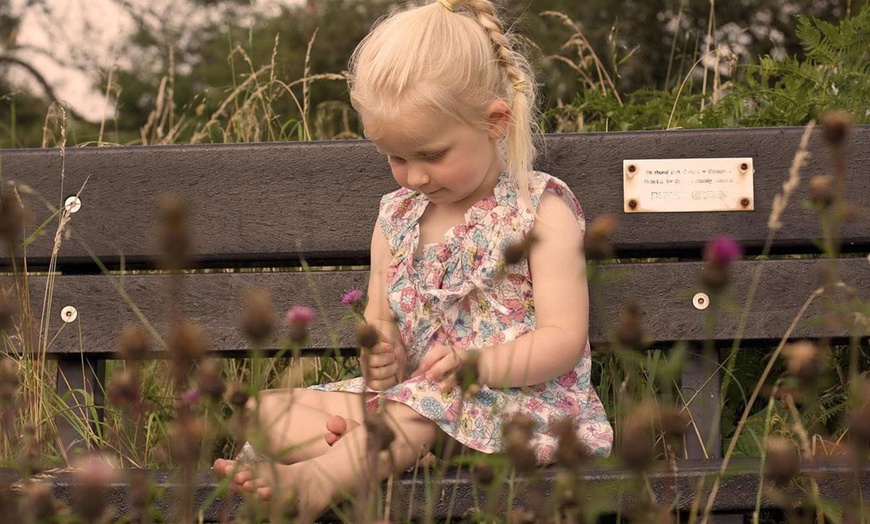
(300, 316)
(351, 296)
(191, 397)
(722, 250)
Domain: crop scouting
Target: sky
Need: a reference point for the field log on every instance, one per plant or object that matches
(67, 35)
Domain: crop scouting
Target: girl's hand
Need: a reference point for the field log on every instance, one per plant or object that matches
(440, 365)
(383, 366)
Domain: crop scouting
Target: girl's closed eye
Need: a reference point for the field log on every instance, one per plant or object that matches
(434, 156)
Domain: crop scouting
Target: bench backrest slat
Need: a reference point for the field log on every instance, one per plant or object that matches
(270, 204)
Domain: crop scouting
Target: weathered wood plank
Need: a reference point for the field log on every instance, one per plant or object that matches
(664, 292)
(268, 203)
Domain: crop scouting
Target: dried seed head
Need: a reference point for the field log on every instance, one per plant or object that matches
(783, 461)
(140, 489)
(174, 234)
(11, 220)
(93, 473)
(8, 381)
(124, 388)
(566, 489)
(210, 380)
(859, 416)
(821, 190)
(468, 373)
(522, 458)
(637, 450)
(518, 430)
(135, 343)
(236, 395)
(484, 474)
(30, 460)
(7, 313)
(714, 278)
(597, 239)
(258, 318)
(570, 452)
(519, 251)
(629, 332)
(187, 341)
(299, 319)
(380, 434)
(805, 360)
(837, 125)
(673, 422)
(367, 336)
(39, 504)
(185, 439)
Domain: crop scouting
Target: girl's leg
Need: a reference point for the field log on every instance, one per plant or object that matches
(338, 472)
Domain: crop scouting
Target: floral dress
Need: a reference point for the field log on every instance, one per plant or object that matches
(457, 293)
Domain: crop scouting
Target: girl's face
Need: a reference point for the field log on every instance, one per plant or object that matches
(452, 164)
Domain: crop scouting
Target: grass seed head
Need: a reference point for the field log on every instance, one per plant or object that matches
(175, 241)
(637, 450)
(518, 430)
(805, 361)
(570, 452)
(629, 331)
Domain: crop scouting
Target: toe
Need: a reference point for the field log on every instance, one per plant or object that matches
(336, 424)
(331, 438)
(265, 492)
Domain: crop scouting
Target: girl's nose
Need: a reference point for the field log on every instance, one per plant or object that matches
(417, 178)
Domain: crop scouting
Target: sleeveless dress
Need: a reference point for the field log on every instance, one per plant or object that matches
(457, 293)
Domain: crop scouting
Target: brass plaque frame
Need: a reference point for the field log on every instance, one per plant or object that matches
(688, 185)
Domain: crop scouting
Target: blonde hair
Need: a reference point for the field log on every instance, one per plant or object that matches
(454, 58)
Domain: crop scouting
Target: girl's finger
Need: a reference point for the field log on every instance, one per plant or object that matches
(442, 368)
(380, 360)
(384, 372)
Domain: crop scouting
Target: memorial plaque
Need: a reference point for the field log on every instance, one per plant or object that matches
(688, 184)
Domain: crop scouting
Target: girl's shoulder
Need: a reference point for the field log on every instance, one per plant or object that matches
(398, 212)
(541, 183)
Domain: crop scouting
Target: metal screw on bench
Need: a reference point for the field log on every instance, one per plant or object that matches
(632, 203)
(632, 169)
(701, 301)
(744, 167)
(744, 202)
(72, 204)
(69, 314)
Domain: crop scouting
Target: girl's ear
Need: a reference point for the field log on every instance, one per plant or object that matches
(498, 118)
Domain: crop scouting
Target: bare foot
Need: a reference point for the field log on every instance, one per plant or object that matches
(305, 498)
(337, 426)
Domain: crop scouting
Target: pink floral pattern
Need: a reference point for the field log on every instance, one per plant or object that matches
(456, 293)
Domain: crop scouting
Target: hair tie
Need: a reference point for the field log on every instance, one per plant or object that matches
(447, 5)
(520, 86)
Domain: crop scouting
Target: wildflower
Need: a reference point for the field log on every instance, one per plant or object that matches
(597, 239)
(519, 251)
(191, 397)
(566, 489)
(299, 318)
(209, 379)
(258, 317)
(351, 297)
(135, 343)
(367, 337)
(187, 341)
(805, 361)
(783, 462)
(140, 492)
(836, 125)
(93, 473)
(821, 191)
(174, 235)
(721, 251)
(517, 432)
(628, 331)
(124, 389)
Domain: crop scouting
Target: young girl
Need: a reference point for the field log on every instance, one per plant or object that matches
(444, 96)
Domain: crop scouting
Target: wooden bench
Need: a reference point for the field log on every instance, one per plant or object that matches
(274, 205)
